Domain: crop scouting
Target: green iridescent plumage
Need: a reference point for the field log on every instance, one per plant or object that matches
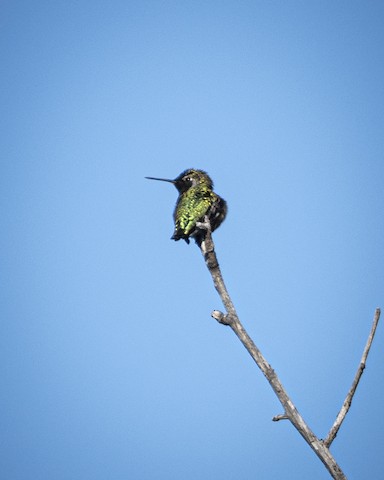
(196, 201)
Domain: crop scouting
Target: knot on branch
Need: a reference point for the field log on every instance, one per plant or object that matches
(224, 319)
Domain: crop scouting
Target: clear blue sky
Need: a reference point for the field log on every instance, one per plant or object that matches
(111, 367)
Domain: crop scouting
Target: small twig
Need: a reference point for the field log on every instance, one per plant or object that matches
(221, 318)
(282, 416)
(348, 399)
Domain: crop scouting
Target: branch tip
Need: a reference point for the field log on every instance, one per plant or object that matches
(348, 400)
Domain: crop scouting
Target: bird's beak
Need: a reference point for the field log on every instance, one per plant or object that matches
(161, 179)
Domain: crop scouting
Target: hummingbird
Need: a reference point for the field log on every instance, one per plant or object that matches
(196, 201)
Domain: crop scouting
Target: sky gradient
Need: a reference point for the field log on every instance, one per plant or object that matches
(111, 366)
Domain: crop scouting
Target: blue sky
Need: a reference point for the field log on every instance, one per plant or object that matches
(111, 366)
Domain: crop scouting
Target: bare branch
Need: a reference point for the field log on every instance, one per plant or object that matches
(231, 319)
(348, 399)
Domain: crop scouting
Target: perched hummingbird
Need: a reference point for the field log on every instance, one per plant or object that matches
(196, 200)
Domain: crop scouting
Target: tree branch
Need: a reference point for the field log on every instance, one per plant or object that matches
(348, 399)
(231, 319)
